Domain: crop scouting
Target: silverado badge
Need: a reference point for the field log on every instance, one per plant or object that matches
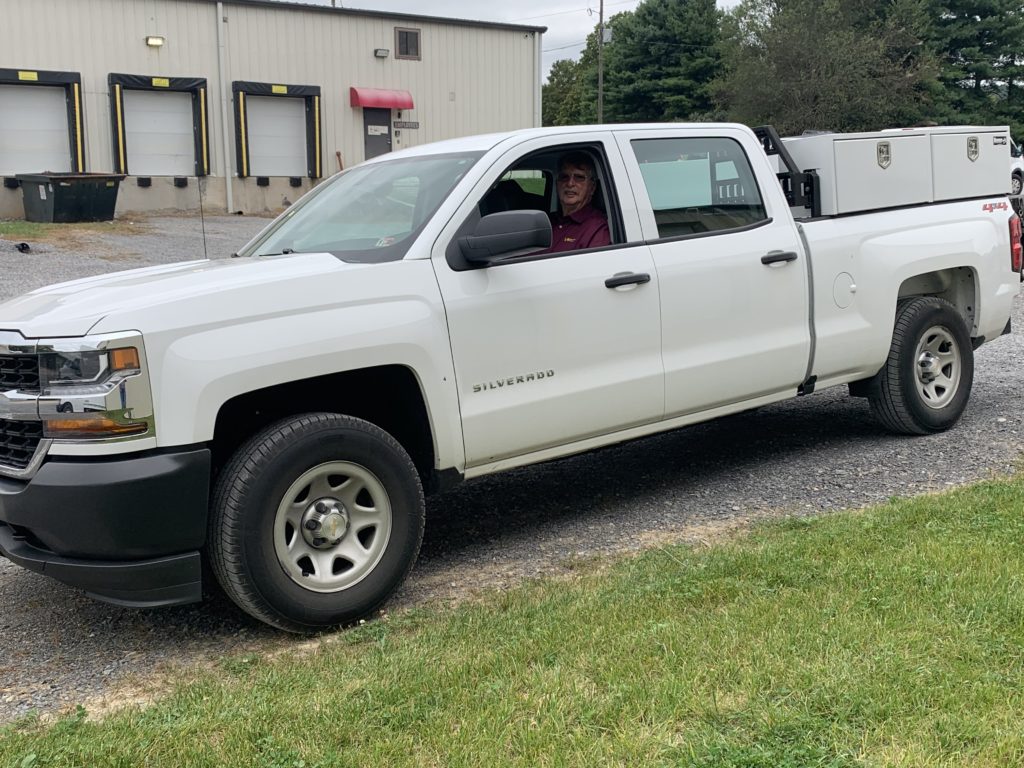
(511, 381)
(884, 154)
(972, 148)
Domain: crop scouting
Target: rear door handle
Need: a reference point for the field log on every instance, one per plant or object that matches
(627, 278)
(778, 257)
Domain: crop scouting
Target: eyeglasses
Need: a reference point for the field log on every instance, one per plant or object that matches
(579, 178)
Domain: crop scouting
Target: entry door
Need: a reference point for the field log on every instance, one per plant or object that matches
(376, 132)
(734, 282)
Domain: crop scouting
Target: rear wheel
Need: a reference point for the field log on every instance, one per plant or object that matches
(926, 381)
(315, 522)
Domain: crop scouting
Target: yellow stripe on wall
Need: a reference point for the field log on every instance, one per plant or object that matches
(78, 128)
(316, 141)
(120, 129)
(202, 119)
(242, 132)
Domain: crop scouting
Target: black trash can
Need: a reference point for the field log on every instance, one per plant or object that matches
(67, 197)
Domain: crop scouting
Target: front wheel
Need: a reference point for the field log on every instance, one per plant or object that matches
(925, 383)
(315, 522)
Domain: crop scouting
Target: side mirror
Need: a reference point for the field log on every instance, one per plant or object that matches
(506, 234)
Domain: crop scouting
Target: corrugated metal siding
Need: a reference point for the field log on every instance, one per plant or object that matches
(470, 79)
(491, 72)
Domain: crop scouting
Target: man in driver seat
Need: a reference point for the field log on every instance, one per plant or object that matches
(578, 223)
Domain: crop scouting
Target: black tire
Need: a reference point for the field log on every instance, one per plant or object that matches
(1015, 183)
(926, 381)
(360, 487)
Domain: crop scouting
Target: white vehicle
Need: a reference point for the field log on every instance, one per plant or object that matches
(1016, 173)
(402, 328)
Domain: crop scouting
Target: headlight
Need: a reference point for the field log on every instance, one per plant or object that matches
(95, 388)
(86, 370)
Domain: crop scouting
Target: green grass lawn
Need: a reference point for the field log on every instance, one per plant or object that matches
(891, 637)
(534, 186)
(40, 231)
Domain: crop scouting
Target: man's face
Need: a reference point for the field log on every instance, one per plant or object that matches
(575, 187)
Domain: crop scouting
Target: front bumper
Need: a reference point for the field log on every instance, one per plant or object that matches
(126, 530)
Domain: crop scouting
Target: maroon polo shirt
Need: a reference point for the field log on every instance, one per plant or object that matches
(585, 228)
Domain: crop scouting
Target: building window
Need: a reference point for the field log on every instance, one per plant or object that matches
(407, 43)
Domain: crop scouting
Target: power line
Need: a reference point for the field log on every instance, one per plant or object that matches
(574, 10)
(563, 47)
(549, 15)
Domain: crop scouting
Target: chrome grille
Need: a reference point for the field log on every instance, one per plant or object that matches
(19, 372)
(18, 442)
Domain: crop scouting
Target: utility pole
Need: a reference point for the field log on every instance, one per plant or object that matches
(600, 64)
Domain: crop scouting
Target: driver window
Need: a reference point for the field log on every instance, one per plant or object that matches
(519, 190)
(570, 184)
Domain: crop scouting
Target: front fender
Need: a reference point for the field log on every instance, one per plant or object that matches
(217, 347)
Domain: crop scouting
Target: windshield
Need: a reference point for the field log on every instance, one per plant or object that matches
(369, 213)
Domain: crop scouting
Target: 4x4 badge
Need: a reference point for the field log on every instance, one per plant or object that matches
(972, 148)
(884, 154)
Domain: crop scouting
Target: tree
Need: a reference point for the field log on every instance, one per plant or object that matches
(981, 45)
(841, 65)
(561, 94)
(661, 62)
(584, 111)
(659, 66)
(570, 95)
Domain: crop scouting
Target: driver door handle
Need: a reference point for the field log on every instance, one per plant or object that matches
(627, 278)
(777, 257)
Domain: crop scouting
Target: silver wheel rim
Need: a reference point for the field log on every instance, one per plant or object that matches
(937, 367)
(1015, 186)
(332, 526)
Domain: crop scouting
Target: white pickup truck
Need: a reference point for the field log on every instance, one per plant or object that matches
(402, 327)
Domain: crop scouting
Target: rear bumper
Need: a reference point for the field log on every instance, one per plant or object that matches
(127, 530)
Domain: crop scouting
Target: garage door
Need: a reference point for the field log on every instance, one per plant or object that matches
(33, 130)
(277, 136)
(159, 134)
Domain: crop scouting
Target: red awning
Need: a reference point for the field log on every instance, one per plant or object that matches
(380, 97)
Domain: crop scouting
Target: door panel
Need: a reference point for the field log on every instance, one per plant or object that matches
(733, 327)
(376, 132)
(545, 352)
(159, 134)
(34, 130)
(277, 135)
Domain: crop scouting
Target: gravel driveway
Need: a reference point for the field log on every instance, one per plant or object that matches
(813, 454)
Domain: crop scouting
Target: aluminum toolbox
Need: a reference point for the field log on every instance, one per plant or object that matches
(888, 169)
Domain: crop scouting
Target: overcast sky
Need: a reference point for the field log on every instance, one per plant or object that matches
(568, 21)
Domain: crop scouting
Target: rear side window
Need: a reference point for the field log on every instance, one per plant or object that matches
(698, 185)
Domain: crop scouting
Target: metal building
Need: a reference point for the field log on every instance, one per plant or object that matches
(181, 95)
